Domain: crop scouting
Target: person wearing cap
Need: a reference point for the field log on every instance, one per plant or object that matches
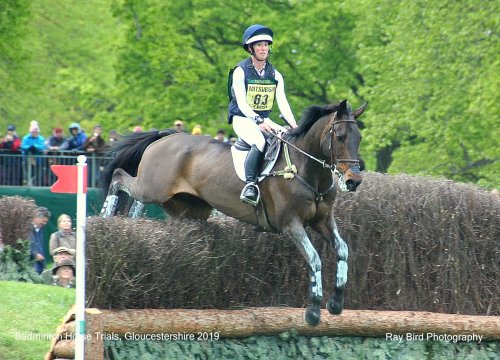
(64, 236)
(33, 142)
(56, 140)
(10, 141)
(95, 143)
(60, 254)
(11, 167)
(76, 140)
(254, 86)
(197, 130)
(113, 136)
(63, 274)
(179, 126)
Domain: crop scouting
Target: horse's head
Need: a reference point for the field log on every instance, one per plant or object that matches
(343, 146)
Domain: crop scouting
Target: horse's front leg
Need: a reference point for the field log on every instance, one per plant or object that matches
(295, 230)
(329, 231)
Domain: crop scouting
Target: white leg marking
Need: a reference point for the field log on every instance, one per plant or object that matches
(342, 253)
(315, 263)
(109, 205)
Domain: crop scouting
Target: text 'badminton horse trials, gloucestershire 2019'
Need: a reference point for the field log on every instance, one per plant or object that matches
(190, 175)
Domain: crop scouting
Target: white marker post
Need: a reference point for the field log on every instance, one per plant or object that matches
(81, 216)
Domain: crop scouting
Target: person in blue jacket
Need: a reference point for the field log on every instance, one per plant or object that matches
(33, 143)
(76, 140)
(40, 219)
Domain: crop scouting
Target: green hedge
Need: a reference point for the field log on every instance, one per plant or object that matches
(290, 346)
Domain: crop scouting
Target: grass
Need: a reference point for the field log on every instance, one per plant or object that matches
(29, 311)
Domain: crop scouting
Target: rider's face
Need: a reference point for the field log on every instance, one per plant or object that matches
(261, 50)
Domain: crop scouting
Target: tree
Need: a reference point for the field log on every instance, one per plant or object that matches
(431, 73)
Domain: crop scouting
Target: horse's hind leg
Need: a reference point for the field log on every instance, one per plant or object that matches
(327, 228)
(136, 210)
(299, 236)
(118, 183)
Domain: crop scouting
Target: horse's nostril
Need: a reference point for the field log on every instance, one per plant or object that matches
(351, 185)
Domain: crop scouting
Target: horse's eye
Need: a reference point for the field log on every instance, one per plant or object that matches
(341, 137)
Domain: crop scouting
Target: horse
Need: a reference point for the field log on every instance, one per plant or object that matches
(190, 175)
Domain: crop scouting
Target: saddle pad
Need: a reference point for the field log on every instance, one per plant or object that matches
(239, 157)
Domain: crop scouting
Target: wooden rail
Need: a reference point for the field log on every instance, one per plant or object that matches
(109, 324)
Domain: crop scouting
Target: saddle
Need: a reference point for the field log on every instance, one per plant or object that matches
(240, 149)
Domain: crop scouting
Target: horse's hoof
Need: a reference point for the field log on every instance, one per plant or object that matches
(312, 315)
(335, 306)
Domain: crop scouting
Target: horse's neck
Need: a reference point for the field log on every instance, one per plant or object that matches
(313, 170)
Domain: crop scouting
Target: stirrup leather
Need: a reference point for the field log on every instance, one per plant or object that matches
(247, 200)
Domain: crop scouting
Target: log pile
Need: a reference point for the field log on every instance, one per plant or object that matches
(103, 324)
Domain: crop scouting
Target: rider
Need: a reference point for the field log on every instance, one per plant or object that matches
(255, 84)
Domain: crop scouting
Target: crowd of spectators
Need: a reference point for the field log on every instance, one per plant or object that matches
(32, 153)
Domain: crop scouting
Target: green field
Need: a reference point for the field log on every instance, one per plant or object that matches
(29, 315)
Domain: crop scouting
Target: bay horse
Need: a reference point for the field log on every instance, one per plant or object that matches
(191, 175)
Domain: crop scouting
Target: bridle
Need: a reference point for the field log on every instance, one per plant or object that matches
(333, 151)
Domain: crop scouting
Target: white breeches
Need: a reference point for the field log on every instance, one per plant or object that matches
(250, 132)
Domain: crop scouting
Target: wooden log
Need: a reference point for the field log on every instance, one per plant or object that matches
(64, 349)
(270, 321)
(94, 343)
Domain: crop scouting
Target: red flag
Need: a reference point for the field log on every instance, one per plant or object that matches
(67, 179)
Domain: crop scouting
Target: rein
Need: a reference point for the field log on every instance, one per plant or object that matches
(290, 170)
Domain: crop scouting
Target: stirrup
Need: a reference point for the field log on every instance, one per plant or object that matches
(247, 200)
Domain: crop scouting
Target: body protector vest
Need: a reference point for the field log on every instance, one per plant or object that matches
(260, 90)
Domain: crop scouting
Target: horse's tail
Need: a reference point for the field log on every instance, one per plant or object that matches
(127, 154)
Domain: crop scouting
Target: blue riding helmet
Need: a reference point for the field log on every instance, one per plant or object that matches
(255, 33)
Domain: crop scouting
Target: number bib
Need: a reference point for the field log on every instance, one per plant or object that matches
(260, 94)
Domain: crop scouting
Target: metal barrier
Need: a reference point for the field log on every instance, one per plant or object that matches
(18, 169)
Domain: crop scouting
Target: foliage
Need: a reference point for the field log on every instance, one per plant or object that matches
(433, 74)
(30, 310)
(15, 263)
(291, 346)
(17, 216)
(428, 68)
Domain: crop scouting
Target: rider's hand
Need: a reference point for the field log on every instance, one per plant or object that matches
(266, 125)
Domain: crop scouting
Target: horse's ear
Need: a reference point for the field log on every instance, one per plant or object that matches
(357, 113)
(343, 107)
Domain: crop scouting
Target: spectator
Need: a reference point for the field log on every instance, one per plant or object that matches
(63, 274)
(64, 236)
(11, 141)
(113, 136)
(40, 219)
(495, 193)
(221, 135)
(197, 130)
(137, 129)
(11, 166)
(60, 254)
(179, 126)
(33, 143)
(76, 140)
(95, 143)
(55, 142)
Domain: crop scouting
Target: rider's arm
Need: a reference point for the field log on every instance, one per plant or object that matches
(240, 92)
(283, 105)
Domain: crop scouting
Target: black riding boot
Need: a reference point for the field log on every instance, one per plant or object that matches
(250, 193)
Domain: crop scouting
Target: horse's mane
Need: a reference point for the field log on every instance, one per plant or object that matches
(310, 115)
